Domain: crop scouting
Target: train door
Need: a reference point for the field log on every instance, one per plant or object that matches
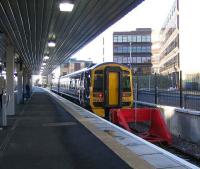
(113, 87)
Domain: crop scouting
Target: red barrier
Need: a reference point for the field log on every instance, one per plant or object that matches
(157, 131)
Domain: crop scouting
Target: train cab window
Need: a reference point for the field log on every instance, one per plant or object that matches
(98, 83)
(126, 84)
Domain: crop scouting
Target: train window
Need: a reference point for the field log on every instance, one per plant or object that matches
(98, 83)
(75, 84)
(71, 86)
(99, 72)
(126, 84)
(126, 72)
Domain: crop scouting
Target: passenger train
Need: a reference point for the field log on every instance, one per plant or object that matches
(98, 88)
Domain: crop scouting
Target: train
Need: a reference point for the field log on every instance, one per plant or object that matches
(99, 88)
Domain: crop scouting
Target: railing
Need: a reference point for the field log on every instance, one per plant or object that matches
(169, 90)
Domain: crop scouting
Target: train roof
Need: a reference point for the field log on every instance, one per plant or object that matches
(91, 68)
(101, 64)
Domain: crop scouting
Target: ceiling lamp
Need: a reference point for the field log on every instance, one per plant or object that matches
(66, 6)
(46, 57)
(51, 44)
(43, 64)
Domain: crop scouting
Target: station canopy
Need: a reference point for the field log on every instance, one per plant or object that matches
(30, 24)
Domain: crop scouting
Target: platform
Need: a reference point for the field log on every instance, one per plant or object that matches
(45, 136)
(53, 133)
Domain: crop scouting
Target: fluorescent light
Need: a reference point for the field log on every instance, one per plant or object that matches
(66, 7)
(51, 44)
(42, 68)
(43, 64)
(46, 57)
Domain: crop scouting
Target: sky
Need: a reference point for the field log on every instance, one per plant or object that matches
(149, 14)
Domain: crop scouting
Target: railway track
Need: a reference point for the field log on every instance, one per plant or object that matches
(188, 156)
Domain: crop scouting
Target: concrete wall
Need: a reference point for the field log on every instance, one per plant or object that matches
(181, 122)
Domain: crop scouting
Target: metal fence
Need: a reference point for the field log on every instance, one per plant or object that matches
(169, 90)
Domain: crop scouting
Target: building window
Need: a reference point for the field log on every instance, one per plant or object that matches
(129, 38)
(115, 49)
(125, 49)
(115, 38)
(148, 49)
(148, 38)
(124, 59)
(115, 59)
(134, 49)
(77, 66)
(139, 50)
(134, 60)
(119, 59)
(149, 59)
(124, 38)
(144, 59)
(144, 49)
(128, 60)
(119, 38)
(129, 49)
(144, 39)
(134, 38)
(139, 60)
(120, 49)
(139, 38)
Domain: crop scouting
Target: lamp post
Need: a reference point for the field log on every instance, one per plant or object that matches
(130, 57)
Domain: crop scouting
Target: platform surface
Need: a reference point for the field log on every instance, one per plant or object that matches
(137, 152)
(45, 136)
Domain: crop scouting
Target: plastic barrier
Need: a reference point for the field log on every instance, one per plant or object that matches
(149, 118)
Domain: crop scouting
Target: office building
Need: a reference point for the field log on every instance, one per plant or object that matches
(169, 58)
(180, 39)
(155, 50)
(133, 49)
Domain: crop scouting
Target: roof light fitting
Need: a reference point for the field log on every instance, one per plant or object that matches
(43, 64)
(46, 57)
(51, 44)
(66, 6)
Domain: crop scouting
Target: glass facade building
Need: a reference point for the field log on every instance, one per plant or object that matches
(133, 49)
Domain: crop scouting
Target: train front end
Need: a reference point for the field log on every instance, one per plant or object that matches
(111, 87)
